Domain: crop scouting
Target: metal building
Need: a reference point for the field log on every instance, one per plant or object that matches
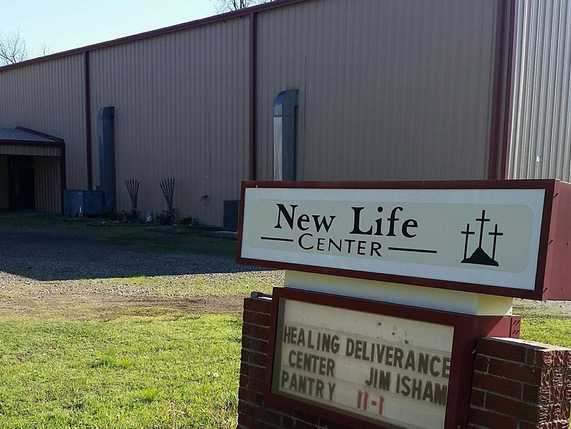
(384, 89)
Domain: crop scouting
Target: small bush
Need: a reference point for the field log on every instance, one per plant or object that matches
(167, 217)
(132, 216)
(187, 221)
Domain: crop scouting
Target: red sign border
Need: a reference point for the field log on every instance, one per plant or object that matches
(467, 330)
(535, 294)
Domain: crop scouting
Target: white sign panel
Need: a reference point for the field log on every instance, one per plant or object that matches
(386, 369)
(479, 236)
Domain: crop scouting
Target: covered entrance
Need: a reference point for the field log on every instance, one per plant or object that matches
(32, 171)
(21, 182)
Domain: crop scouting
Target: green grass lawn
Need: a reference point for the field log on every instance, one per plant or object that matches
(547, 329)
(174, 239)
(171, 371)
(129, 352)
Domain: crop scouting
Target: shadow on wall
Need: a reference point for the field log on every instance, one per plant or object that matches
(52, 256)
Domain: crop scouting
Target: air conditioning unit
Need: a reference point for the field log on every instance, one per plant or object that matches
(83, 203)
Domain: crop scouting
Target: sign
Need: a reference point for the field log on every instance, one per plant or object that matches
(372, 364)
(387, 369)
(486, 237)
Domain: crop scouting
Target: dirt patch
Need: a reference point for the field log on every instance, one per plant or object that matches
(110, 307)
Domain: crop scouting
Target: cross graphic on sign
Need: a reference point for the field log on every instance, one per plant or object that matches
(482, 221)
(467, 233)
(495, 234)
(479, 256)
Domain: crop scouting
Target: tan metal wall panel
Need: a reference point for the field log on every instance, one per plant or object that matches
(181, 110)
(389, 89)
(540, 140)
(9, 149)
(47, 185)
(49, 97)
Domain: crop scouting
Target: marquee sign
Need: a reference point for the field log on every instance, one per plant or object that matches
(489, 237)
(385, 368)
(382, 364)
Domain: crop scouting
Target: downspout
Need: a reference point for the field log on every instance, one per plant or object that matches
(87, 101)
(508, 118)
(253, 95)
(501, 100)
(63, 176)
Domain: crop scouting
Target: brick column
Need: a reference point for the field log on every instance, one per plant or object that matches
(520, 385)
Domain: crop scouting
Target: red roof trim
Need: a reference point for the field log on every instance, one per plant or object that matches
(40, 134)
(155, 33)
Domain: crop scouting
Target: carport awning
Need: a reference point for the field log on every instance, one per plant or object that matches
(23, 141)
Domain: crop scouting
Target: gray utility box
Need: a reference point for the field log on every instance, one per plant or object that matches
(83, 203)
(231, 208)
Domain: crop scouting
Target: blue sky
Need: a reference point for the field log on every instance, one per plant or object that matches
(65, 24)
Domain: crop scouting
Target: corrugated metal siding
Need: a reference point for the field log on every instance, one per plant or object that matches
(392, 89)
(47, 185)
(540, 140)
(10, 149)
(181, 110)
(49, 97)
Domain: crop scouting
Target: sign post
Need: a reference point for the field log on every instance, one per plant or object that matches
(370, 363)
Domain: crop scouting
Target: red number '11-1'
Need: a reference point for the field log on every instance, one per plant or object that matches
(363, 402)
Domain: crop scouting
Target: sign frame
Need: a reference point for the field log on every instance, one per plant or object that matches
(467, 330)
(549, 217)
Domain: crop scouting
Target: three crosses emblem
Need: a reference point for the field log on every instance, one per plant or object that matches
(479, 256)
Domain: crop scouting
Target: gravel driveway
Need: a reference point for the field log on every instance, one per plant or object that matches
(74, 274)
(53, 255)
(69, 272)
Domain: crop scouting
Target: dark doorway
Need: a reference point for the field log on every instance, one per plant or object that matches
(21, 180)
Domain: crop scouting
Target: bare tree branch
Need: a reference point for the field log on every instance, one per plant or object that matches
(12, 49)
(232, 5)
(44, 50)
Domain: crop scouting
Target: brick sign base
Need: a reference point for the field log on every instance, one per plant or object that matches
(520, 385)
(516, 384)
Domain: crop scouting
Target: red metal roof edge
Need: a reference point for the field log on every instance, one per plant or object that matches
(156, 33)
(40, 134)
